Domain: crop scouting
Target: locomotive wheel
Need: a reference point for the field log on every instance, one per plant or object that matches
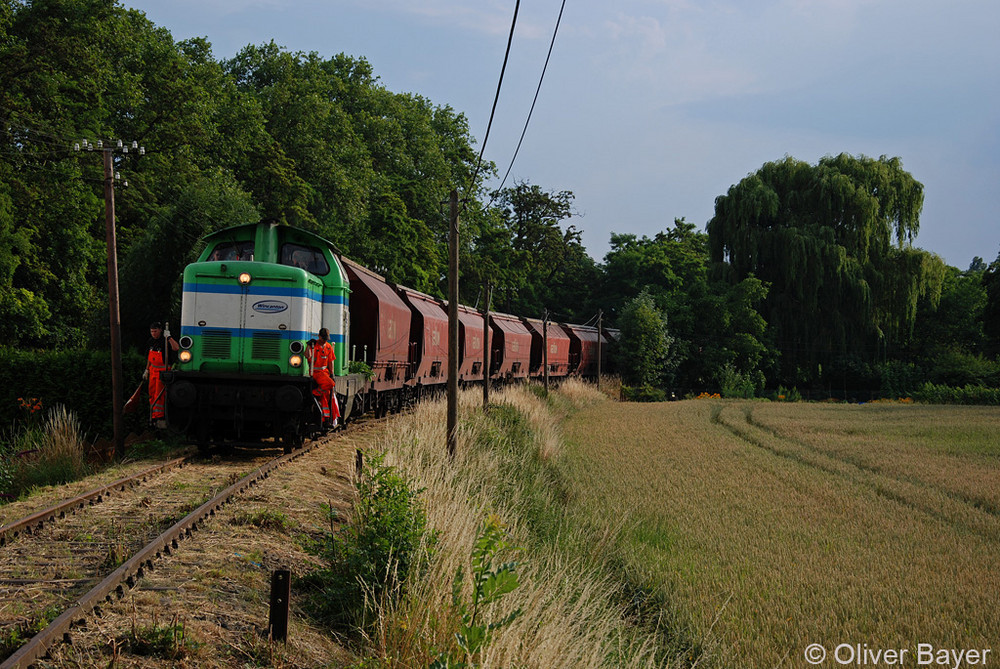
(291, 440)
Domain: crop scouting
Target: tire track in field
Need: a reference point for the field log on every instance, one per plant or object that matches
(940, 504)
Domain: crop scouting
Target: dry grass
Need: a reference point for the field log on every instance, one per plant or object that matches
(568, 619)
(774, 526)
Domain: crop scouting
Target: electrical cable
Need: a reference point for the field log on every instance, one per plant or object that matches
(496, 98)
(552, 43)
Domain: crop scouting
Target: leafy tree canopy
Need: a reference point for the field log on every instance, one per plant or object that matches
(833, 240)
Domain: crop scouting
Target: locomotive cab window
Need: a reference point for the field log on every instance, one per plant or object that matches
(232, 251)
(305, 257)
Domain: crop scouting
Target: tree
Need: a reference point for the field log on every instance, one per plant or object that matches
(544, 265)
(833, 241)
(645, 335)
(713, 323)
(991, 309)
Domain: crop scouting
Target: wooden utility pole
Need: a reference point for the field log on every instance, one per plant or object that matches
(114, 315)
(600, 315)
(453, 325)
(486, 348)
(113, 311)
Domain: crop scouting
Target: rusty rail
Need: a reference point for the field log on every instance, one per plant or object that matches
(135, 568)
(38, 519)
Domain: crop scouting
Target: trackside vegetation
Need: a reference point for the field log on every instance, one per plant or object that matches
(512, 577)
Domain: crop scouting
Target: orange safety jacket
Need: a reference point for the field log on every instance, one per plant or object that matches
(322, 359)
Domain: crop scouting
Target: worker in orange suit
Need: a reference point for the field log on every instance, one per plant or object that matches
(321, 358)
(156, 362)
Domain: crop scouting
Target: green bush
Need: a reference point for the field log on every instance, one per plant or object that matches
(643, 394)
(361, 367)
(739, 384)
(930, 393)
(78, 380)
(785, 395)
(899, 379)
(371, 558)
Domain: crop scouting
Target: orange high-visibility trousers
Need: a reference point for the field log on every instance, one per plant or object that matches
(156, 387)
(324, 392)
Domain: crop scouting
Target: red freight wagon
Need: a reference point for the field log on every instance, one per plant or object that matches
(583, 343)
(511, 353)
(558, 348)
(428, 338)
(470, 344)
(380, 327)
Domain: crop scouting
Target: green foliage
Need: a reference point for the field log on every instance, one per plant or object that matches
(645, 337)
(739, 384)
(899, 379)
(266, 519)
(489, 585)
(165, 642)
(785, 395)
(712, 322)
(643, 394)
(370, 559)
(991, 308)
(833, 242)
(930, 393)
(78, 380)
(361, 367)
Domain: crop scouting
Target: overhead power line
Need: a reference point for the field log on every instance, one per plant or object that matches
(496, 98)
(552, 43)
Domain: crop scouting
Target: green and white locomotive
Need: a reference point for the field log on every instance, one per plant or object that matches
(251, 303)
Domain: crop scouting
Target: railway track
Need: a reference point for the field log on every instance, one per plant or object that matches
(62, 564)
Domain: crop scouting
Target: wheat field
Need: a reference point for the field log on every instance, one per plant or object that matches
(769, 527)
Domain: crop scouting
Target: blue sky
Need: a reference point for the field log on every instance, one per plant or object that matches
(652, 108)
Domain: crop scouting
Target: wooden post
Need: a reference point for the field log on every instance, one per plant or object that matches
(453, 326)
(486, 349)
(281, 591)
(113, 311)
(600, 315)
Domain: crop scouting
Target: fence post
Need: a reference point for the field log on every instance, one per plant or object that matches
(281, 590)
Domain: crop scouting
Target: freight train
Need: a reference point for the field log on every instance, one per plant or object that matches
(259, 293)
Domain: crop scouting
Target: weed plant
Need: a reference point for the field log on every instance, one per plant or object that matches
(48, 453)
(370, 560)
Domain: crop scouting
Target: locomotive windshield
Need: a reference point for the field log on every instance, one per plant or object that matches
(232, 251)
(306, 257)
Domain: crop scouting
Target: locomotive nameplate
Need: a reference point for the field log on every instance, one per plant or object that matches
(269, 306)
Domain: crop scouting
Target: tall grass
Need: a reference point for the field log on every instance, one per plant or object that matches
(51, 453)
(573, 608)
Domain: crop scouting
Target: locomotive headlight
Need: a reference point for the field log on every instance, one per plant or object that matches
(186, 342)
(295, 361)
(244, 278)
(184, 356)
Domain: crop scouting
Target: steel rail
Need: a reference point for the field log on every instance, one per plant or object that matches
(38, 519)
(135, 568)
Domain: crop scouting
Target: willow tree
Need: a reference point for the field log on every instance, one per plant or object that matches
(834, 241)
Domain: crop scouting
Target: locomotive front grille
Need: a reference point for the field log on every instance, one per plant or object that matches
(266, 346)
(217, 344)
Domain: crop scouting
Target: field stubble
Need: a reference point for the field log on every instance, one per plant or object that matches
(774, 526)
